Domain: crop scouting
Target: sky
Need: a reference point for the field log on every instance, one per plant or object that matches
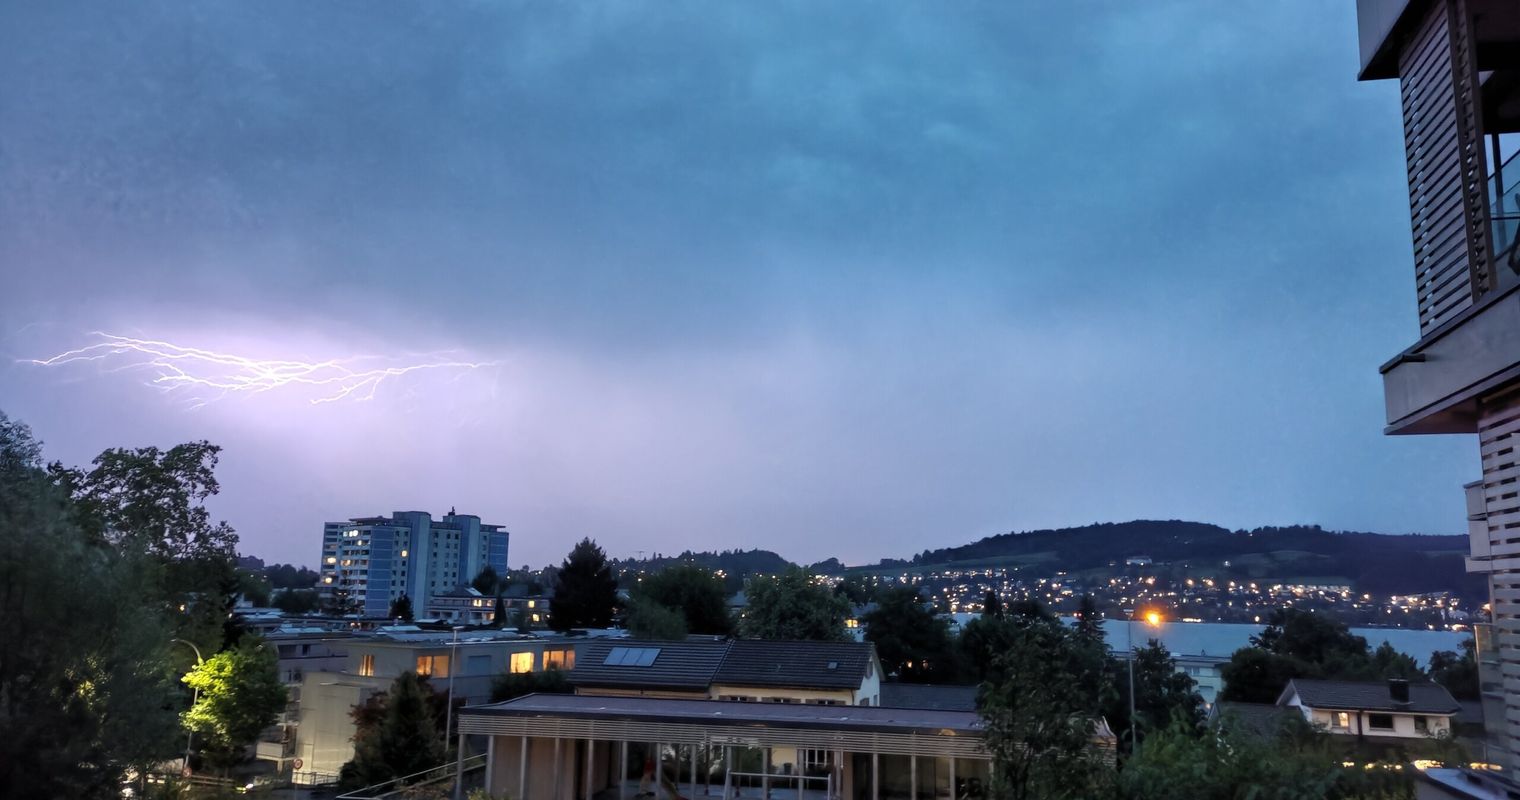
(835, 279)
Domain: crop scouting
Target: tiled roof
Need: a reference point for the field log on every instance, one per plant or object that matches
(1424, 698)
(928, 697)
(676, 665)
(796, 665)
(695, 664)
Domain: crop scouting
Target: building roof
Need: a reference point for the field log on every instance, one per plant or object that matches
(795, 665)
(695, 664)
(1424, 698)
(656, 665)
(1259, 719)
(727, 712)
(928, 696)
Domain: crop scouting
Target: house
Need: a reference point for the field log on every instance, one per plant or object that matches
(468, 664)
(1396, 709)
(818, 673)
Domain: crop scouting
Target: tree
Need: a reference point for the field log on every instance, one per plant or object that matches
(254, 588)
(239, 694)
(585, 593)
(1040, 715)
(499, 612)
(1458, 673)
(1254, 675)
(793, 606)
(992, 605)
(1293, 763)
(650, 620)
(509, 685)
(1164, 696)
(404, 741)
(401, 608)
(85, 685)
(1316, 639)
(692, 592)
(912, 641)
(1089, 619)
(486, 582)
(297, 601)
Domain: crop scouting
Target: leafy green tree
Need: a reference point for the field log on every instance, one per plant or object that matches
(1164, 695)
(912, 641)
(509, 685)
(1254, 675)
(1316, 639)
(85, 687)
(297, 601)
(401, 608)
(585, 593)
(793, 606)
(486, 581)
(1041, 715)
(1458, 673)
(239, 694)
(692, 592)
(1294, 763)
(648, 619)
(404, 740)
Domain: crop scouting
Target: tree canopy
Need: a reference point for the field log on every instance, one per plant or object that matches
(396, 736)
(694, 593)
(585, 593)
(1302, 644)
(912, 641)
(793, 606)
(238, 695)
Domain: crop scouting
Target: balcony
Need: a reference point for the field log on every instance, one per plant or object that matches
(1504, 222)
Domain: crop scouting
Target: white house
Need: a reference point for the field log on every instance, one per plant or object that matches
(1396, 709)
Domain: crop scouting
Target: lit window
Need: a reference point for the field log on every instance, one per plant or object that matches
(436, 666)
(367, 665)
(1342, 719)
(403, 554)
(530, 604)
(522, 662)
(559, 659)
(332, 559)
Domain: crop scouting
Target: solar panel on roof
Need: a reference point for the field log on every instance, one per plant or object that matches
(631, 657)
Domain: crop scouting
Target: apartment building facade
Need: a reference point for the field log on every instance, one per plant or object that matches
(368, 563)
(1458, 67)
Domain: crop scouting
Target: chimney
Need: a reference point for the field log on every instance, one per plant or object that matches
(1398, 691)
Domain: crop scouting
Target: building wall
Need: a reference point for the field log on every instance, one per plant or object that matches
(1499, 447)
(1403, 724)
(767, 694)
(407, 553)
(324, 738)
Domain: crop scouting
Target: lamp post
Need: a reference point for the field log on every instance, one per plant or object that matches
(448, 724)
(195, 698)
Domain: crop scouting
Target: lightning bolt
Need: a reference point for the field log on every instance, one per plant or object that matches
(177, 369)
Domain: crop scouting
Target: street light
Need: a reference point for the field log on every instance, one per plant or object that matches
(195, 698)
(1153, 619)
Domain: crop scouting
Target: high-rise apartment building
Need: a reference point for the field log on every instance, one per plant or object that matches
(369, 562)
(1458, 67)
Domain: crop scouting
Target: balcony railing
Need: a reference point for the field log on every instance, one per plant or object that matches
(1504, 221)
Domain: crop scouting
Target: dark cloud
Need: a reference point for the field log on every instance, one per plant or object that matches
(759, 272)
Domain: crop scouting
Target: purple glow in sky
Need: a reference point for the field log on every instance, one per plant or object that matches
(822, 279)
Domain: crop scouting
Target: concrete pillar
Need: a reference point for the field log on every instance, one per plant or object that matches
(728, 769)
(952, 778)
(765, 777)
(912, 777)
(557, 767)
(459, 765)
(622, 773)
(875, 776)
(590, 759)
(693, 772)
(522, 770)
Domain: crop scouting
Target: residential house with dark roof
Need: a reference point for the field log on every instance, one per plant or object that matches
(1396, 709)
(818, 673)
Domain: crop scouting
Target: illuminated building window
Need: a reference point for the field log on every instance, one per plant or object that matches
(436, 666)
(403, 554)
(559, 659)
(522, 662)
(1342, 719)
(367, 665)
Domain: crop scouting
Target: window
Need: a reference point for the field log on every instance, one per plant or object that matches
(1422, 724)
(631, 657)
(367, 665)
(559, 659)
(522, 662)
(477, 665)
(1380, 722)
(1342, 720)
(436, 666)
